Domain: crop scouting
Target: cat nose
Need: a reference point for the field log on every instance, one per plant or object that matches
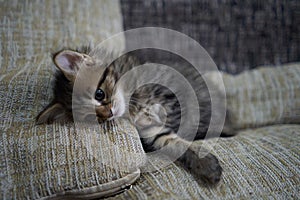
(104, 112)
(110, 113)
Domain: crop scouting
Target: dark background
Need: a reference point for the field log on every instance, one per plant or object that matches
(238, 35)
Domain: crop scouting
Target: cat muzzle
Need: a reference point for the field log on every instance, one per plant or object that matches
(104, 112)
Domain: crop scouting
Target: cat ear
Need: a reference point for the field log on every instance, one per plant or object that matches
(68, 62)
(53, 112)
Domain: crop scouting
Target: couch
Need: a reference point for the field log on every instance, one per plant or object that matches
(75, 161)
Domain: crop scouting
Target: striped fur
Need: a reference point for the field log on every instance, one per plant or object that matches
(153, 108)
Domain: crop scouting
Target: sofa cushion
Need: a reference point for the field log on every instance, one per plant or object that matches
(261, 163)
(58, 160)
(73, 160)
(264, 96)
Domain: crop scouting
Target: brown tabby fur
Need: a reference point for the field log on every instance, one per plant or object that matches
(147, 121)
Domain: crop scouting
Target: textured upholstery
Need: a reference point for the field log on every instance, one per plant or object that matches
(260, 163)
(68, 160)
(77, 161)
(264, 96)
(54, 160)
(238, 35)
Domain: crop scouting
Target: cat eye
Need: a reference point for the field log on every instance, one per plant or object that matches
(99, 95)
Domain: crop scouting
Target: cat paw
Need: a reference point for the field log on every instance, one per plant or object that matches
(207, 167)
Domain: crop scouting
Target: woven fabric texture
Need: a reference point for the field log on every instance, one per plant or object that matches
(46, 161)
(260, 163)
(88, 162)
(264, 96)
(57, 160)
(238, 35)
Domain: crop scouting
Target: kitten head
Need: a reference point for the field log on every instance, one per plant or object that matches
(85, 89)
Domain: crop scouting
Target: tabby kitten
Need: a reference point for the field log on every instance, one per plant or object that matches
(153, 108)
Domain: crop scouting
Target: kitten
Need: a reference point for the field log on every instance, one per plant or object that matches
(153, 108)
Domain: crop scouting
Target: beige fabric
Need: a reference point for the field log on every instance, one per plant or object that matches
(58, 160)
(260, 163)
(55, 160)
(264, 96)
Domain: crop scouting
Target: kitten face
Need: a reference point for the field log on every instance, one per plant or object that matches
(110, 100)
(85, 90)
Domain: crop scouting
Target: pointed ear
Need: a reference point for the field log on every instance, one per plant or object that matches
(68, 62)
(53, 112)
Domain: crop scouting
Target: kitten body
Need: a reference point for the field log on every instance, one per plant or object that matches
(154, 109)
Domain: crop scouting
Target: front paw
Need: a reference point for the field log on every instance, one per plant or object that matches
(207, 168)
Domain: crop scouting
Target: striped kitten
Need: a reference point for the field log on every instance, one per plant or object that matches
(154, 109)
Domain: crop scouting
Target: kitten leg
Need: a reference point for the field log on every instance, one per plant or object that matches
(197, 160)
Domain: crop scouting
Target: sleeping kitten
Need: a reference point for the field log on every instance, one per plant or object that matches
(154, 109)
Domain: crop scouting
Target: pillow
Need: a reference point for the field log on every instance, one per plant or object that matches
(70, 160)
(266, 95)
